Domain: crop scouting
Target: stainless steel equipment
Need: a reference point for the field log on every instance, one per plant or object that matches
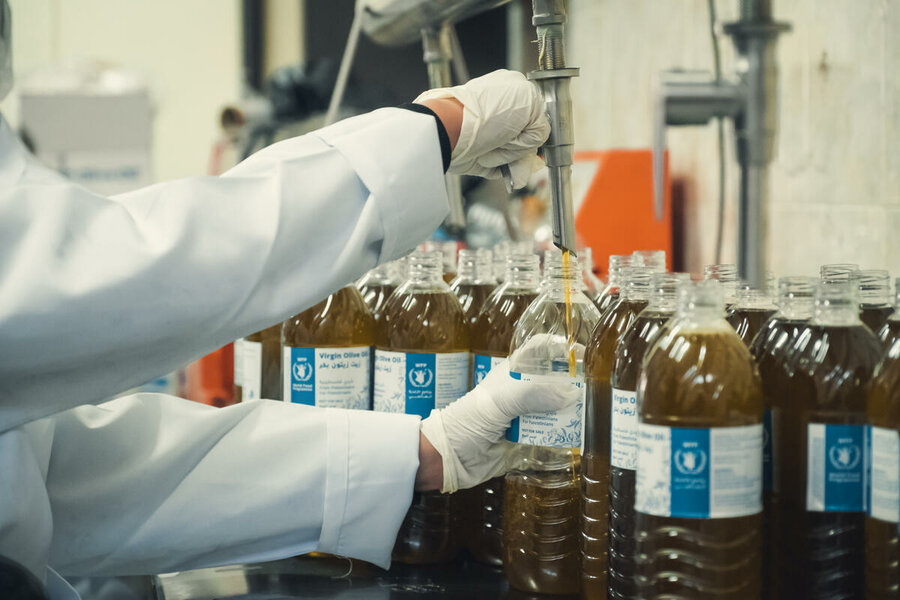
(749, 99)
(554, 77)
(398, 22)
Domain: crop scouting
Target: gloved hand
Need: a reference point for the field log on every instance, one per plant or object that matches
(468, 434)
(504, 122)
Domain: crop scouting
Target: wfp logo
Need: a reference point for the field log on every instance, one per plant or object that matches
(844, 455)
(420, 377)
(690, 461)
(302, 371)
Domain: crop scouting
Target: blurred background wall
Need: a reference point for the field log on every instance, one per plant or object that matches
(836, 177)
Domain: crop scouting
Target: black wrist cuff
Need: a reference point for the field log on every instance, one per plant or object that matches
(443, 138)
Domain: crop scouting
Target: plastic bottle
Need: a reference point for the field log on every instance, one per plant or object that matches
(698, 509)
(820, 475)
(617, 265)
(874, 298)
(473, 282)
(751, 310)
(260, 365)
(593, 286)
(725, 274)
(595, 461)
(491, 337)
(376, 287)
(655, 260)
(541, 502)
(622, 422)
(422, 363)
(769, 350)
(890, 331)
(882, 546)
(326, 353)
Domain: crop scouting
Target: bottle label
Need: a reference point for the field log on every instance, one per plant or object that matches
(252, 375)
(482, 365)
(557, 429)
(884, 464)
(623, 434)
(239, 362)
(416, 383)
(699, 473)
(327, 377)
(835, 468)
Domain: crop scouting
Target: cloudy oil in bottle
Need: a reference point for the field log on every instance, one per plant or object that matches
(698, 509)
(491, 337)
(629, 355)
(541, 504)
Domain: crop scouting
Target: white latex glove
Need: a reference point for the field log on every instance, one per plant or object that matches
(468, 434)
(504, 123)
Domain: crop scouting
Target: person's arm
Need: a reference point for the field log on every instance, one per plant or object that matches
(152, 484)
(98, 295)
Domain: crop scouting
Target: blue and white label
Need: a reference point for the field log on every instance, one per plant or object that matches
(699, 473)
(556, 429)
(327, 377)
(884, 464)
(835, 472)
(416, 383)
(623, 430)
(482, 365)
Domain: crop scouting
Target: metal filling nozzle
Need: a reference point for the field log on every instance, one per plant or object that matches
(553, 77)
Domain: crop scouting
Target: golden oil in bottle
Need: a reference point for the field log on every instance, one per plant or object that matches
(882, 546)
(751, 310)
(473, 282)
(595, 461)
(699, 470)
(629, 355)
(326, 353)
(422, 363)
(491, 338)
(541, 531)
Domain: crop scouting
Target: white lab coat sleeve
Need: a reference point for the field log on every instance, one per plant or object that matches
(151, 483)
(98, 294)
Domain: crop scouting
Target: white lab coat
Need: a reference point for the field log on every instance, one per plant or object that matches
(101, 294)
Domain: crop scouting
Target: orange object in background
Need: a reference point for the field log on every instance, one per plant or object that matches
(210, 380)
(616, 214)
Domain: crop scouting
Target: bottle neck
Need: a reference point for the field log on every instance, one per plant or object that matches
(636, 286)
(425, 270)
(618, 264)
(523, 271)
(837, 304)
(874, 288)
(474, 267)
(796, 308)
(701, 304)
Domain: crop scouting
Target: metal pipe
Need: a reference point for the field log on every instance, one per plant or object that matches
(554, 77)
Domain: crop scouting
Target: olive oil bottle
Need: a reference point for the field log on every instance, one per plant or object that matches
(618, 263)
(259, 373)
(541, 531)
(890, 331)
(595, 461)
(698, 509)
(769, 350)
(326, 353)
(376, 287)
(623, 420)
(874, 298)
(473, 282)
(422, 363)
(820, 458)
(882, 546)
(491, 337)
(751, 310)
